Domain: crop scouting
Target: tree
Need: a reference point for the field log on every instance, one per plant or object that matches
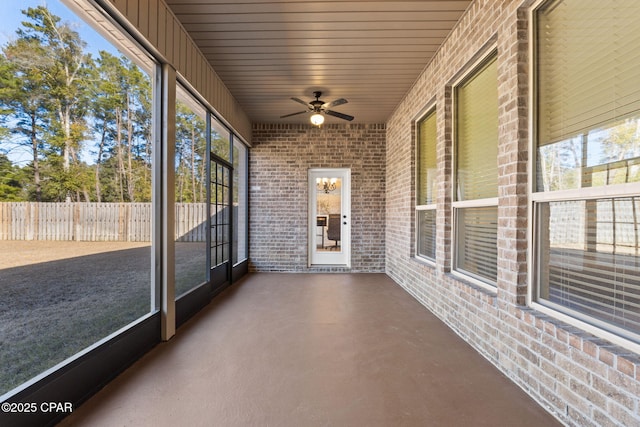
(622, 142)
(559, 164)
(54, 99)
(107, 109)
(122, 117)
(23, 97)
(139, 129)
(189, 158)
(55, 51)
(10, 177)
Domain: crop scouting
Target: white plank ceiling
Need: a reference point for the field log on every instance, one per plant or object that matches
(369, 52)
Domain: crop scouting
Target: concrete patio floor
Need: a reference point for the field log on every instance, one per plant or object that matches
(312, 350)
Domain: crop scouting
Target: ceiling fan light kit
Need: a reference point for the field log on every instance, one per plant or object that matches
(318, 108)
(317, 119)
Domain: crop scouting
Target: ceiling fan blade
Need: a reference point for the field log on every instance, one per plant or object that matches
(339, 115)
(306, 104)
(293, 114)
(335, 103)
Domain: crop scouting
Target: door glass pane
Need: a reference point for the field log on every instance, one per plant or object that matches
(220, 140)
(329, 212)
(76, 234)
(220, 214)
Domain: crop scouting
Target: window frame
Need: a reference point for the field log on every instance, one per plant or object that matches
(484, 59)
(431, 110)
(536, 197)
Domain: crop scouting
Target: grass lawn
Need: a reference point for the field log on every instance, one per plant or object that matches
(57, 298)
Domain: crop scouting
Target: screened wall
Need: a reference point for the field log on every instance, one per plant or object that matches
(105, 224)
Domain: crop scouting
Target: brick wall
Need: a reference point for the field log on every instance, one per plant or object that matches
(583, 379)
(279, 160)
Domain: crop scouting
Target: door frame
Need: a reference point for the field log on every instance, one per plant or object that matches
(342, 258)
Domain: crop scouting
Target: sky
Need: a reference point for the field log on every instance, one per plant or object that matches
(11, 18)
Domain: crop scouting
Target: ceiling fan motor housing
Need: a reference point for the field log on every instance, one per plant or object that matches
(317, 103)
(318, 107)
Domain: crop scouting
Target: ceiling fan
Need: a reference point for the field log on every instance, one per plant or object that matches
(317, 107)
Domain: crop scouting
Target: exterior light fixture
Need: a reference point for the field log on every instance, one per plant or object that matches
(317, 119)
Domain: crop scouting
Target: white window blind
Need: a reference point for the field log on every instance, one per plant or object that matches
(427, 233)
(476, 172)
(477, 250)
(427, 160)
(588, 259)
(588, 66)
(477, 135)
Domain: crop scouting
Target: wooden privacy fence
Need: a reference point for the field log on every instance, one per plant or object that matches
(121, 222)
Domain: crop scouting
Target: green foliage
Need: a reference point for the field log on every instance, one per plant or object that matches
(606, 156)
(57, 103)
(10, 176)
(190, 160)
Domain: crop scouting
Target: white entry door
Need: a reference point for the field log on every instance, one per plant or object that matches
(330, 217)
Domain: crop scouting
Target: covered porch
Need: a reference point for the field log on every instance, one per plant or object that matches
(312, 349)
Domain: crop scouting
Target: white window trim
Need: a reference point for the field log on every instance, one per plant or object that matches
(428, 207)
(611, 191)
(603, 192)
(476, 203)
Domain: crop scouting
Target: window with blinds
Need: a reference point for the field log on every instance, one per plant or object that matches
(477, 135)
(476, 174)
(588, 259)
(426, 183)
(426, 247)
(588, 77)
(427, 160)
(587, 252)
(477, 246)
